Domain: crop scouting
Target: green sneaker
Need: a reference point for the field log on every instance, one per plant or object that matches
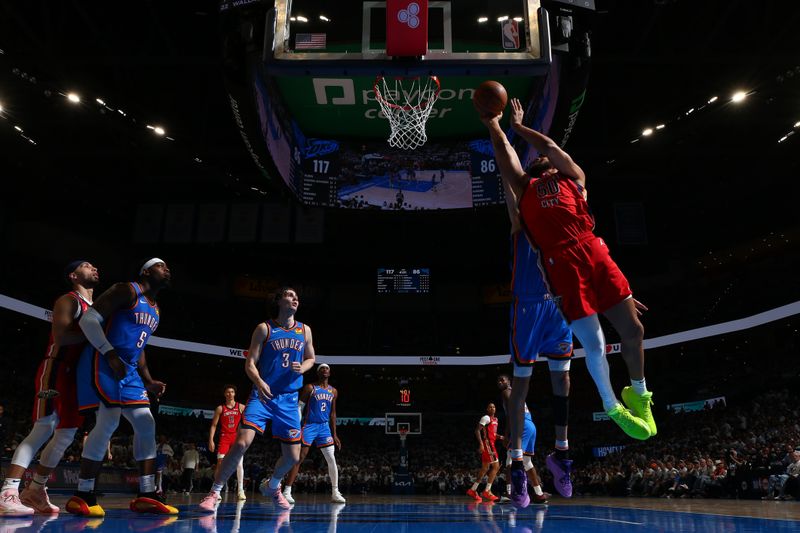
(633, 426)
(640, 405)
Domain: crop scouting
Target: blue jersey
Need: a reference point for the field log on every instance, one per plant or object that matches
(128, 330)
(319, 405)
(280, 349)
(527, 281)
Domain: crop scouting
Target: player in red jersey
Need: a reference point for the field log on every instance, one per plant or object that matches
(228, 416)
(55, 404)
(486, 433)
(556, 216)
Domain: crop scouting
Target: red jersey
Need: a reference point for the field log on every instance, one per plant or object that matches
(554, 211)
(229, 420)
(69, 354)
(490, 423)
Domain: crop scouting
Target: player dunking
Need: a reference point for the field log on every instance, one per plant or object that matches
(227, 416)
(113, 378)
(528, 444)
(55, 404)
(537, 328)
(556, 217)
(281, 350)
(319, 429)
(486, 433)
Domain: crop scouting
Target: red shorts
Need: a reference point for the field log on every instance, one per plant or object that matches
(490, 456)
(57, 376)
(225, 442)
(585, 277)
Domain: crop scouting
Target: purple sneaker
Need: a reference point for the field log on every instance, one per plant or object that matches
(560, 468)
(519, 488)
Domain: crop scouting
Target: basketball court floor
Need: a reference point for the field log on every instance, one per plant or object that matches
(388, 514)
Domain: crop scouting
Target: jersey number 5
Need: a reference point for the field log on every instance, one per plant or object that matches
(142, 339)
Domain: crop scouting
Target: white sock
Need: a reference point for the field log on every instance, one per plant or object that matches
(85, 485)
(40, 480)
(475, 486)
(217, 487)
(639, 386)
(287, 489)
(562, 444)
(538, 490)
(11, 483)
(147, 483)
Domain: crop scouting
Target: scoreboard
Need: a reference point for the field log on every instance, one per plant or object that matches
(404, 280)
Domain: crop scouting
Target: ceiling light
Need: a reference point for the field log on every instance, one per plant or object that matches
(99, 101)
(796, 124)
(503, 18)
(18, 129)
(74, 98)
(738, 96)
(324, 18)
(481, 20)
(647, 132)
(660, 127)
(518, 19)
(158, 130)
(301, 18)
(712, 99)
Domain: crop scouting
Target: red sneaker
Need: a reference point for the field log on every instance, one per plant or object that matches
(474, 495)
(488, 496)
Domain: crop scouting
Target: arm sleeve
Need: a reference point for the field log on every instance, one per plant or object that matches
(484, 421)
(91, 325)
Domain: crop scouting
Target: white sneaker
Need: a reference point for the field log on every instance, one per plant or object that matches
(11, 506)
(287, 493)
(242, 495)
(337, 497)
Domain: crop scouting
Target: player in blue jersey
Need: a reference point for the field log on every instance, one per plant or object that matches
(113, 379)
(537, 328)
(318, 402)
(281, 350)
(528, 442)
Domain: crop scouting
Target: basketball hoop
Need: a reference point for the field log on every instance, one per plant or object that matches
(403, 432)
(407, 103)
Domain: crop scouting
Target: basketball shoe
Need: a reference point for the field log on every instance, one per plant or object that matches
(633, 426)
(640, 405)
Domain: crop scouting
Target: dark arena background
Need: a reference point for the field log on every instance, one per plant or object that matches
(243, 142)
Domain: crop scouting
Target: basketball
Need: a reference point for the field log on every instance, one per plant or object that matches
(490, 98)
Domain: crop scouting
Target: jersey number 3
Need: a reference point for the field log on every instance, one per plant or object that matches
(285, 363)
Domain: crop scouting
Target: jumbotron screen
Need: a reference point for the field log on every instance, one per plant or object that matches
(404, 280)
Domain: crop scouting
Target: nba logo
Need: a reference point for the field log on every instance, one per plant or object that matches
(510, 34)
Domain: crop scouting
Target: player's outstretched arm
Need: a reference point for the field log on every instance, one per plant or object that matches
(545, 145)
(260, 334)
(507, 159)
(118, 296)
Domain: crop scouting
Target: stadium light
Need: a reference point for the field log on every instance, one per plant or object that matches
(712, 99)
(1, 108)
(301, 18)
(74, 98)
(481, 20)
(158, 130)
(647, 132)
(738, 96)
(324, 18)
(796, 124)
(99, 101)
(660, 127)
(18, 129)
(518, 19)
(502, 19)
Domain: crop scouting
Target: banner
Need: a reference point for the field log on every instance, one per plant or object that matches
(602, 451)
(65, 476)
(185, 411)
(700, 405)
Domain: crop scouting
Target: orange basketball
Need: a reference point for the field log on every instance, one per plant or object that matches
(490, 98)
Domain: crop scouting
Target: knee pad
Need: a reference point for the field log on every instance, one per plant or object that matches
(527, 462)
(96, 443)
(144, 432)
(523, 371)
(40, 432)
(561, 410)
(55, 449)
(590, 334)
(559, 365)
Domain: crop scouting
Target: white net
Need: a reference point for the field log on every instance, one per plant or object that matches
(407, 103)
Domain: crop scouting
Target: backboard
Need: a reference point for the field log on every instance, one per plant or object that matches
(411, 422)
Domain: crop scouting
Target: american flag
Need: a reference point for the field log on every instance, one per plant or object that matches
(308, 41)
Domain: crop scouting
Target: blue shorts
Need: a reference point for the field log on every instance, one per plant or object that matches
(96, 383)
(528, 435)
(282, 409)
(318, 435)
(537, 328)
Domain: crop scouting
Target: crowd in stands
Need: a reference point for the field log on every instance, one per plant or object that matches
(748, 450)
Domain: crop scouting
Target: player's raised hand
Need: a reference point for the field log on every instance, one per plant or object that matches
(516, 112)
(488, 119)
(264, 393)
